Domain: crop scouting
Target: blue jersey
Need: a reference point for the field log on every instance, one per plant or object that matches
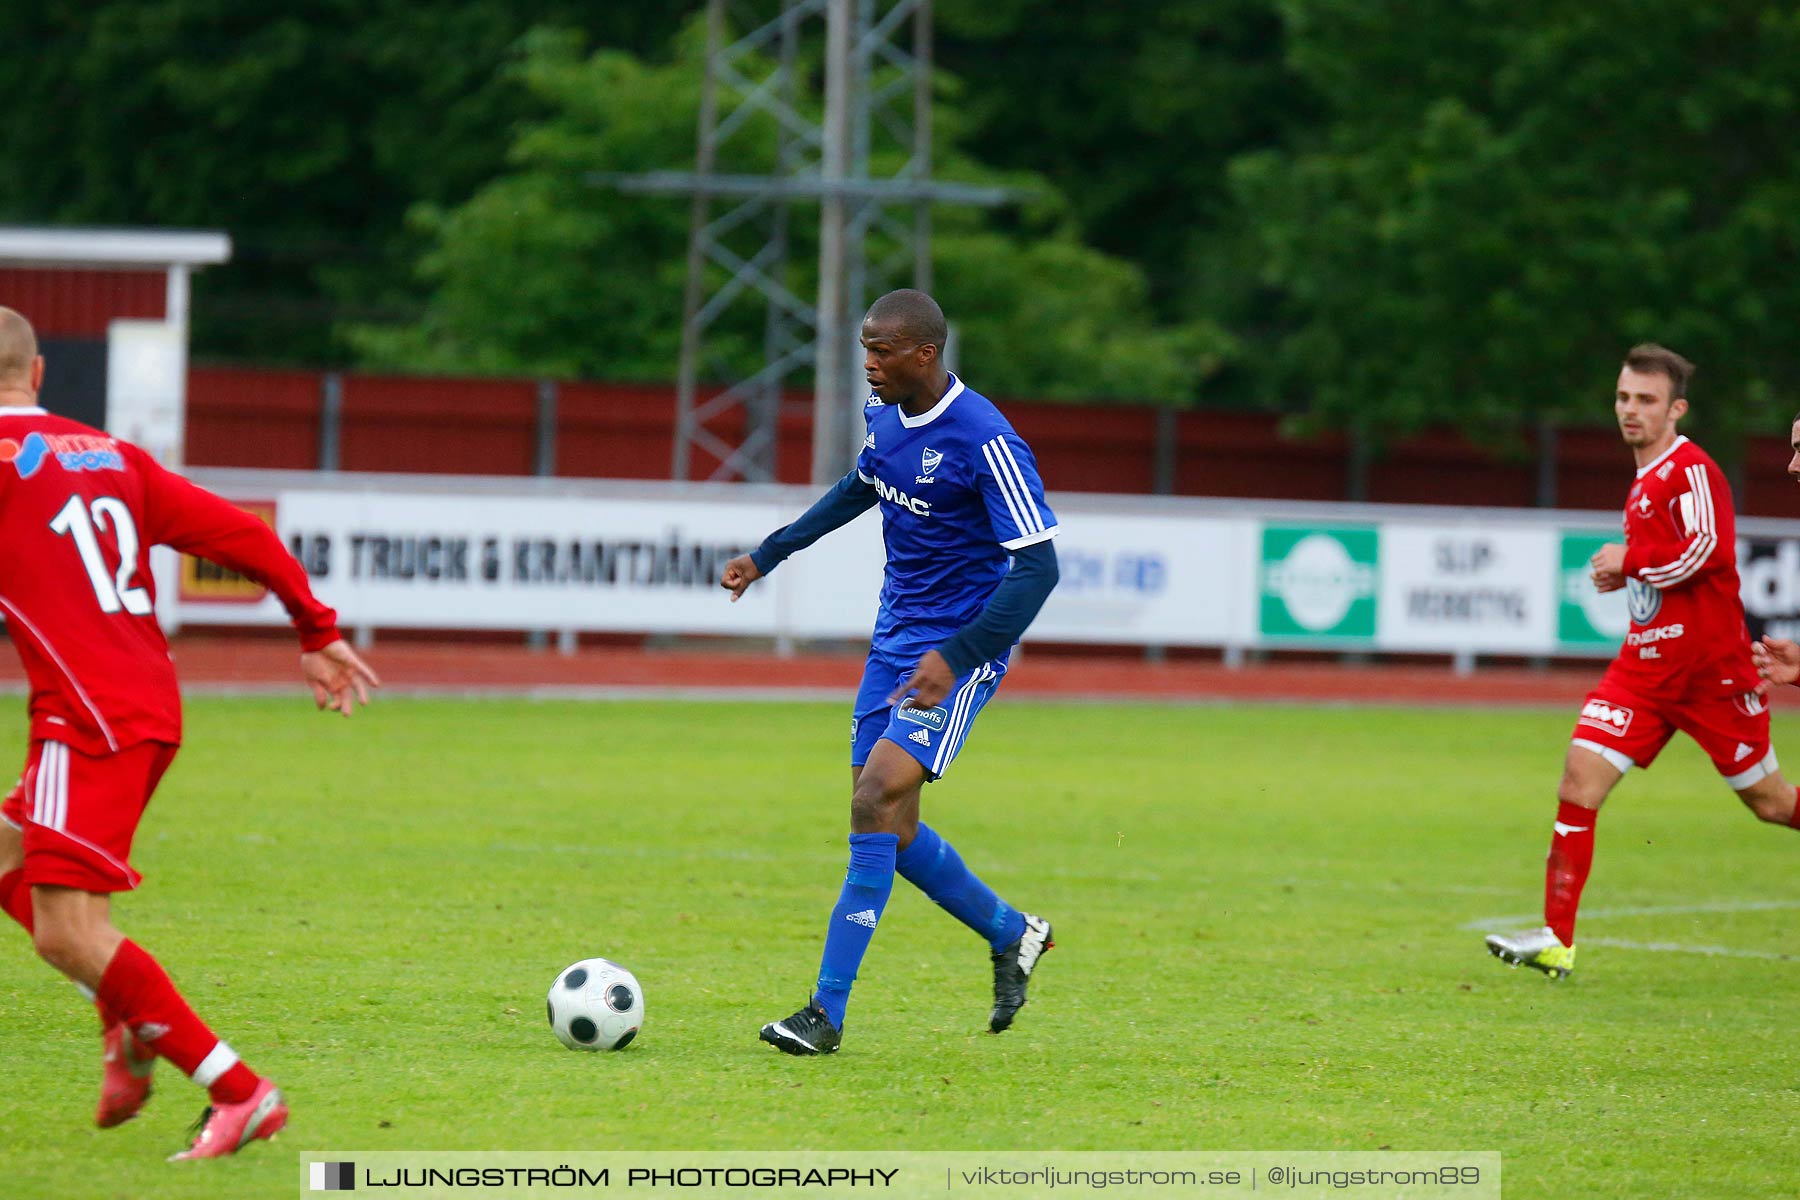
(959, 489)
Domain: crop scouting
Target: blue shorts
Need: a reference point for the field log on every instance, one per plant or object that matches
(931, 735)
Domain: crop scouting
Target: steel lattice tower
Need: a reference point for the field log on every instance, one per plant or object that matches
(845, 86)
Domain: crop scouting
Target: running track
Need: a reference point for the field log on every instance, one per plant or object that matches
(214, 663)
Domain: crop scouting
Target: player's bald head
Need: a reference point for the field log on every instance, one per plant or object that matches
(18, 349)
(912, 315)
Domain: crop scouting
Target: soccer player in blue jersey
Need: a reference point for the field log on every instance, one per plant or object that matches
(959, 494)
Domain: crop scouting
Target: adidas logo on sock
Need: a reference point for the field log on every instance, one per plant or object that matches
(920, 736)
(865, 918)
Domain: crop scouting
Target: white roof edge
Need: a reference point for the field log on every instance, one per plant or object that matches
(74, 246)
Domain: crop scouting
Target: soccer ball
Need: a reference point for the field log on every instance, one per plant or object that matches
(596, 1005)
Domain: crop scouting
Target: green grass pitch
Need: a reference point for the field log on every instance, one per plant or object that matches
(1261, 916)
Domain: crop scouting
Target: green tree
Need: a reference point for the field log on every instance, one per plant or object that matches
(1504, 197)
(305, 129)
(1134, 112)
(539, 271)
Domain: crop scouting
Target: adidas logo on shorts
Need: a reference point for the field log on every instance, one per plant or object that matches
(920, 736)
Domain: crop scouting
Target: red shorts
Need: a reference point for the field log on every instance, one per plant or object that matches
(1627, 727)
(78, 813)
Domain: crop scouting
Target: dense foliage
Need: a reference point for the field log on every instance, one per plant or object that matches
(1333, 206)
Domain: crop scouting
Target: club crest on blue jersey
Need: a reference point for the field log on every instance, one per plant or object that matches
(74, 452)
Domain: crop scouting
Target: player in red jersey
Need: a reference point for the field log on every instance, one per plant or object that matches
(1686, 662)
(79, 511)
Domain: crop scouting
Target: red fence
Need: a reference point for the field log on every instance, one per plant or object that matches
(262, 418)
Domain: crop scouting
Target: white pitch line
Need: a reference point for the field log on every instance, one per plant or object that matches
(1516, 920)
(1718, 951)
(1498, 924)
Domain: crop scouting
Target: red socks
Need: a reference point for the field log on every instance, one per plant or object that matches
(15, 897)
(137, 988)
(1793, 821)
(1571, 856)
(139, 992)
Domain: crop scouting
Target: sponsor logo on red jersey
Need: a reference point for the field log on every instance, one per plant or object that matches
(1750, 704)
(1613, 718)
(1643, 600)
(73, 451)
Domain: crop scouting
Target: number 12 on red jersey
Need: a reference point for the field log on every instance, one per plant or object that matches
(114, 591)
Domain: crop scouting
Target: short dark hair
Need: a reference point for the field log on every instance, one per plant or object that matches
(916, 315)
(1648, 357)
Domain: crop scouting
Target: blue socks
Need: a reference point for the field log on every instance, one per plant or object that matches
(934, 867)
(867, 885)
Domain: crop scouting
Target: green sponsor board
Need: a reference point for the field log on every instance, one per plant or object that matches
(1319, 582)
(1585, 618)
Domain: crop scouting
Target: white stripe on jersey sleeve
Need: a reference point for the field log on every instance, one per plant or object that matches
(1037, 518)
(1705, 536)
(1030, 539)
(1694, 556)
(1000, 480)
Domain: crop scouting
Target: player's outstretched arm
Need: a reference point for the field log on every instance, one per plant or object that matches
(849, 498)
(184, 515)
(1777, 662)
(338, 677)
(739, 574)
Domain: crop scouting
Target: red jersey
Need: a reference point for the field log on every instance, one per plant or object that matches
(79, 511)
(1688, 635)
